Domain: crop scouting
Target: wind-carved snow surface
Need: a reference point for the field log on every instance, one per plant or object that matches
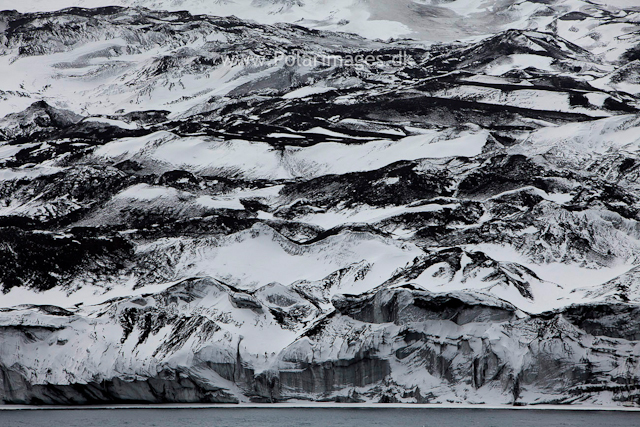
(187, 216)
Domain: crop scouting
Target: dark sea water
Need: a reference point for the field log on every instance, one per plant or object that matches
(316, 418)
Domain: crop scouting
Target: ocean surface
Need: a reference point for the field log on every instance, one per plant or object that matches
(323, 417)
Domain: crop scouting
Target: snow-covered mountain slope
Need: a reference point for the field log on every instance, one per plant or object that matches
(188, 214)
(606, 27)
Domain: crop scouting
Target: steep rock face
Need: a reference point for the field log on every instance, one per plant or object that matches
(527, 359)
(397, 344)
(169, 386)
(36, 120)
(187, 216)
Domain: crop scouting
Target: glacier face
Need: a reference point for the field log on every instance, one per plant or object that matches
(187, 216)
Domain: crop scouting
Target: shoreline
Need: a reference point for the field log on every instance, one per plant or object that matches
(318, 405)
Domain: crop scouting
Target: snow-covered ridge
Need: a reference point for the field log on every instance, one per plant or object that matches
(460, 226)
(606, 26)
